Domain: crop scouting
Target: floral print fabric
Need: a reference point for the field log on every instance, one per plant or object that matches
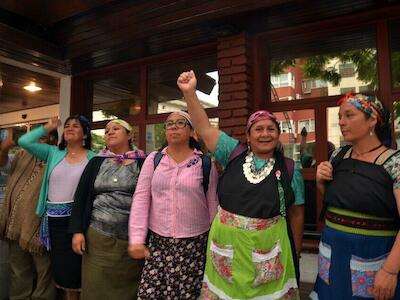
(324, 261)
(246, 223)
(222, 258)
(363, 273)
(267, 264)
(174, 269)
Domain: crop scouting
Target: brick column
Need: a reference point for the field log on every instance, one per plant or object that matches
(235, 84)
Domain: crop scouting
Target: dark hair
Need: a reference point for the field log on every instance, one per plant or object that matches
(53, 137)
(383, 129)
(85, 124)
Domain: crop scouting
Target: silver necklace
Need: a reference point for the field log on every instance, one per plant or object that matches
(253, 175)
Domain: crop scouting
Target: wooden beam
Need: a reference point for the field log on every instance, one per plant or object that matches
(83, 35)
(23, 47)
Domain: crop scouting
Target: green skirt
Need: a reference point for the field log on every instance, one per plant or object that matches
(249, 258)
(107, 270)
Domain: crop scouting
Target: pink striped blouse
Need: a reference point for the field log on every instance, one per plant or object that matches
(170, 200)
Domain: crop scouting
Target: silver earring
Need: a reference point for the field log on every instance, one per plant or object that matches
(371, 133)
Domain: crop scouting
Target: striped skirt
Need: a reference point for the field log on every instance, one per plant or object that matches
(350, 255)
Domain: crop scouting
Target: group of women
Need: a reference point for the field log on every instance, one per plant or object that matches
(121, 225)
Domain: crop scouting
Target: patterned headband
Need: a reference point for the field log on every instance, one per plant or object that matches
(369, 105)
(123, 123)
(259, 116)
(185, 115)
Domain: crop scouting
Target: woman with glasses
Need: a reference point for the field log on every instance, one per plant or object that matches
(250, 254)
(100, 214)
(64, 166)
(172, 211)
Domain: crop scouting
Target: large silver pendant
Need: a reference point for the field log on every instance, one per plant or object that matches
(256, 176)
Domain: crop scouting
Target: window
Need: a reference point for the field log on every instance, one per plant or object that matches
(309, 125)
(395, 52)
(324, 65)
(363, 89)
(117, 96)
(333, 130)
(346, 70)
(286, 126)
(164, 95)
(298, 146)
(282, 80)
(347, 89)
(309, 84)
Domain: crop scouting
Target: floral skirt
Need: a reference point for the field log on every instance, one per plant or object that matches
(249, 258)
(174, 269)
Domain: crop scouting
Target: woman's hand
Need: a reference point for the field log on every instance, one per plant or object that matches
(324, 172)
(187, 82)
(385, 285)
(138, 251)
(78, 243)
(52, 124)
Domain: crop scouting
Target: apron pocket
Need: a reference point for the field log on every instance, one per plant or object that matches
(363, 273)
(222, 258)
(324, 261)
(267, 264)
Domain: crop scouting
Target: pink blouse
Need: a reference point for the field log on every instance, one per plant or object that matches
(170, 200)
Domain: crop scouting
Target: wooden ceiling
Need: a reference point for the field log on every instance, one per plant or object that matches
(14, 97)
(78, 35)
(75, 36)
(47, 12)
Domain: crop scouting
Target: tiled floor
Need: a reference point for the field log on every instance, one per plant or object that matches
(308, 273)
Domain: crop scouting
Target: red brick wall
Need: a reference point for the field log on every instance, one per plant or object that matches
(235, 84)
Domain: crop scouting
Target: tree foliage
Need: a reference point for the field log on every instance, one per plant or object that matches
(315, 67)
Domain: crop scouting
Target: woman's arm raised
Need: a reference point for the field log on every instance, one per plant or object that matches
(187, 84)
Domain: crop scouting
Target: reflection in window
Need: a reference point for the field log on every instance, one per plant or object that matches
(282, 80)
(298, 135)
(346, 70)
(347, 89)
(165, 96)
(155, 137)
(396, 108)
(99, 144)
(395, 55)
(309, 125)
(334, 134)
(116, 97)
(325, 65)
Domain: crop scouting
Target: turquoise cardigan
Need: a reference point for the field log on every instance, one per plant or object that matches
(52, 155)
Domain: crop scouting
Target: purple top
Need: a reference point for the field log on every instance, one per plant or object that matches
(64, 179)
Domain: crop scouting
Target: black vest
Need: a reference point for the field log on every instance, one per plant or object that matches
(261, 200)
(361, 187)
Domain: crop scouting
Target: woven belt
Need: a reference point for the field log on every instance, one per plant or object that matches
(361, 223)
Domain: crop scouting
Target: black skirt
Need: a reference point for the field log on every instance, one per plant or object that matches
(65, 263)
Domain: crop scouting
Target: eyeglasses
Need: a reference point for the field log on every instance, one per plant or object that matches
(178, 124)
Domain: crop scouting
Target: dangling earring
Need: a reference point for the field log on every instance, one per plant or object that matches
(371, 133)
(248, 147)
(84, 140)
